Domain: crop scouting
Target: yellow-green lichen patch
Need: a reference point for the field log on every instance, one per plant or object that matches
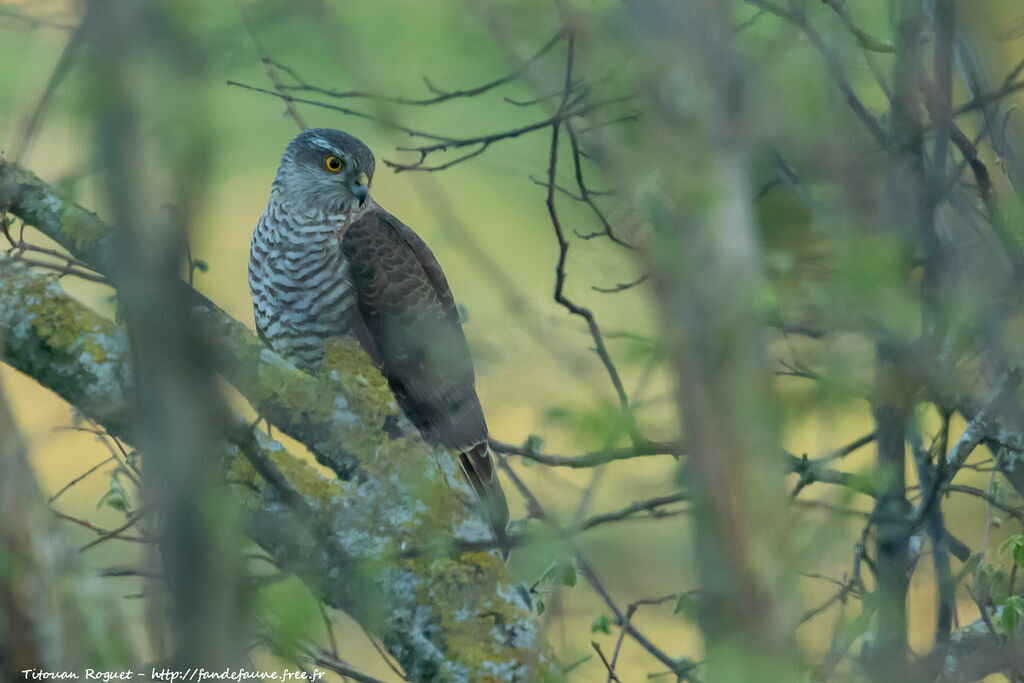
(246, 482)
(366, 389)
(40, 205)
(81, 228)
(479, 625)
(319, 491)
(292, 389)
(83, 355)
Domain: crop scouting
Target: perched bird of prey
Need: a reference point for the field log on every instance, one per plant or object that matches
(327, 261)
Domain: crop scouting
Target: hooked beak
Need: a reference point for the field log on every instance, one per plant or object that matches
(361, 189)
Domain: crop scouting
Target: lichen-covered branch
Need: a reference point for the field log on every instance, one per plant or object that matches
(394, 517)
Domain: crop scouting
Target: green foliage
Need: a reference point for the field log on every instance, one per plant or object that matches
(569, 576)
(969, 567)
(561, 572)
(1014, 545)
(602, 424)
(601, 625)
(116, 496)
(289, 614)
(991, 584)
(685, 606)
(1013, 610)
(533, 443)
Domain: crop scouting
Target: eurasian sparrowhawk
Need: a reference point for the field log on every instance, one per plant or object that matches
(327, 261)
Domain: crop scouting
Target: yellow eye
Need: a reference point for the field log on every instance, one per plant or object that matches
(334, 164)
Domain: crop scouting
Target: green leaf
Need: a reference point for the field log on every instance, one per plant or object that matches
(533, 443)
(685, 605)
(540, 607)
(1015, 546)
(569, 576)
(116, 496)
(992, 583)
(200, 265)
(1013, 610)
(601, 624)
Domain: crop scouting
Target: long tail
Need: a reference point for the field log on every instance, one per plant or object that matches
(478, 465)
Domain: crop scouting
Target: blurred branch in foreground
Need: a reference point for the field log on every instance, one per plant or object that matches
(55, 615)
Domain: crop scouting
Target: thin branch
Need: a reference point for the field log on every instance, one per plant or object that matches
(328, 661)
(483, 142)
(864, 39)
(681, 667)
(622, 286)
(810, 472)
(563, 252)
(832, 63)
(34, 120)
(604, 660)
(34, 21)
(593, 459)
(652, 505)
(980, 426)
(439, 95)
(113, 533)
(585, 193)
(985, 99)
(104, 534)
(1016, 513)
(79, 478)
(630, 611)
(268, 63)
(344, 110)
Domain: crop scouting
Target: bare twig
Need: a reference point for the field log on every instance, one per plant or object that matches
(269, 64)
(563, 252)
(832, 63)
(79, 478)
(595, 458)
(104, 534)
(623, 286)
(604, 660)
(439, 95)
(652, 505)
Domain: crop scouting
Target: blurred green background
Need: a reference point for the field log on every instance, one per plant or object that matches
(536, 374)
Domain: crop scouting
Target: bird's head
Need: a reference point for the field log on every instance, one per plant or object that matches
(325, 169)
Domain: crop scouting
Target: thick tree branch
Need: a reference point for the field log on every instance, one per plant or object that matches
(458, 619)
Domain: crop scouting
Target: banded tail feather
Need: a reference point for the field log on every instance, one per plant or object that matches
(478, 465)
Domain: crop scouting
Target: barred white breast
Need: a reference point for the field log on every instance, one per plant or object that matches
(301, 287)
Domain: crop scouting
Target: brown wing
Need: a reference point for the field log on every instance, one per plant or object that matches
(412, 321)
